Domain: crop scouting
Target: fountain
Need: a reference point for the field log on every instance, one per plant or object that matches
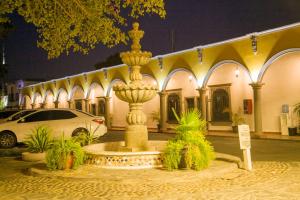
(136, 152)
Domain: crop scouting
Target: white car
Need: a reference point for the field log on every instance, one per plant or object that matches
(59, 121)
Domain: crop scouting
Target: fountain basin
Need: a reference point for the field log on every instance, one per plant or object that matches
(109, 155)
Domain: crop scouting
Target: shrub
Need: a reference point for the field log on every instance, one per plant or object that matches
(87, 136)
(39, 140)
(189, 149)
(57, 156)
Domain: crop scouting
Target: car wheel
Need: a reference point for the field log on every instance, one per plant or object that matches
(7, 139)
(79, 131)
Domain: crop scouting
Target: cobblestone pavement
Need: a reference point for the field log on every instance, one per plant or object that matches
(273, 177)
(269, 180)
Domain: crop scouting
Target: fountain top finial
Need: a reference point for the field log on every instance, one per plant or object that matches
(136, 35)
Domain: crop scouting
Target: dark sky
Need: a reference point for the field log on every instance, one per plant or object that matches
(196, 22)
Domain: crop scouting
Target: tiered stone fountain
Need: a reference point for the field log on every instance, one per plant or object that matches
(136, 152)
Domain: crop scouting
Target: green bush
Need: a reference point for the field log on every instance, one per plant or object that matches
(39, 140)
(189, 149)
(59, 152)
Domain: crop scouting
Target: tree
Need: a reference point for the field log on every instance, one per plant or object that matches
(79, 25)
(109, 61)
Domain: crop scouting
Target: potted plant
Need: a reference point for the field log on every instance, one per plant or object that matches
(38, 142)
(85, 136)
(237, 119)
(189, 149)
(155, 116)
(64, 154)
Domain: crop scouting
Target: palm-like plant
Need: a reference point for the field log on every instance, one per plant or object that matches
(189, 149)
(39, 140)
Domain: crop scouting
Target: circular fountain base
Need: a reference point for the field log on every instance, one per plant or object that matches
(110, 155)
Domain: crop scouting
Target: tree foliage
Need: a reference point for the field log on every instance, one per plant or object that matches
(112, 60)
(78, 25)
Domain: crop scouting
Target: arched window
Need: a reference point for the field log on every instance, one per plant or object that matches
(220, 105)
(173, 102)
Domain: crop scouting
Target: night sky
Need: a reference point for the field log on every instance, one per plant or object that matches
(196, 22)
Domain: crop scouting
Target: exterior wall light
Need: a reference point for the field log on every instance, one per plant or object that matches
(254, 43)
(160, 62)
(85, 77)
(200, 55)
(69, 81)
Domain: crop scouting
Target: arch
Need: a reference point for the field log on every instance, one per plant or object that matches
(60, 90)
(167, 79)
(214, 67)
(111, 85)
(272, 60)
(93, 85)
(46, 94)
(75, 87)
(24, 101)
(48, 103)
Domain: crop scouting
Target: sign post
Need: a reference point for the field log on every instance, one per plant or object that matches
(245, 145)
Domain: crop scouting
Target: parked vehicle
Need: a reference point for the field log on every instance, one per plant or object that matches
(5, 114)
(69, 122)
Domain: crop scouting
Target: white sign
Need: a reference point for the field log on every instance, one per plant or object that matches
(244, 135)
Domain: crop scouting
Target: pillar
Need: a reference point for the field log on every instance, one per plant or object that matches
(107, 112)
(202, 95)
(56, 104)
(86, 105)
(42, 105)
(69, 104)
(32, 105)
(257, 107)
(163, 111)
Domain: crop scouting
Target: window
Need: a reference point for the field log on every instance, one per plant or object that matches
(21, 114)
(6, 114)
(173, 102)
(39, 116)
(220, 105)
(93, 109)
(61, 114)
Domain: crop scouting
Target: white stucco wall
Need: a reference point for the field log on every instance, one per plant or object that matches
(239, 90)
(49, 100)
(63, 99)
(282, 86)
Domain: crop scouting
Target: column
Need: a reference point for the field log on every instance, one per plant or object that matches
(69, 104)
(257, 107)
(56, 104)
(32, 105)
(86, 105)
(42, 105)
(163, 111)
(202, 95)
(107, 112)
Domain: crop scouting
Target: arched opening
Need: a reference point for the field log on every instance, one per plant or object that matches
(118, 108)
(37, 100)
(228, 94)
(96, 101)
(49, 100)
(26, 102)
(281, 87)
(77, 98)
(151, 107)
(62, 98)
(182, 95)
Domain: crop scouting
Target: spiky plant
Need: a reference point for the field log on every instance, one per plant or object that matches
(39, 140)
(59, 152)
(189, 149)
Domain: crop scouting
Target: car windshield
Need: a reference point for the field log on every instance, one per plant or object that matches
(21, 114)
(6, 114)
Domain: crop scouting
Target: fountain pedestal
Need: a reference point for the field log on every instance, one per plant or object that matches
(135, 93)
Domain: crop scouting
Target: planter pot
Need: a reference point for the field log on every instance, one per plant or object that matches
(235, 129)
(34, 157)
(69, 161)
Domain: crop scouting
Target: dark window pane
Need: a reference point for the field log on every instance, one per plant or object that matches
(190, 103)
(39, 116)
(78, 104)
(61, 114)
(101, 107)
(21, 114)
